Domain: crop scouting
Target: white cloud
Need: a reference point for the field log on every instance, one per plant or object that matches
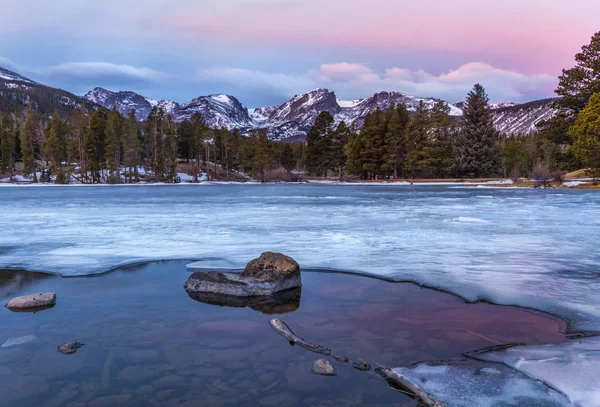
(103, 71)
(352, 81)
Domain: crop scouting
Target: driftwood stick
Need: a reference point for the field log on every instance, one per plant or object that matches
(402, 381)
(282, 329)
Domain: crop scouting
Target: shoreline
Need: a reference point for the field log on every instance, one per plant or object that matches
(469, 183)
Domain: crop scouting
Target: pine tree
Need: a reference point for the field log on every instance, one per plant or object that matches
(476, 151)
(373, 138)
(416, 138)
(79, 126)
(171, 149)
(54, 145)
(288, 161)
(319, 144)
(263, 159)
(395, 139)
(7, 144)
(355, 153)
(150, 138)
(29, 137)
(578, 84)
(94, 145)
(437, 150)
(586, 135)
(341, 137)
(131, 147)
(113, 144)
(575, 88)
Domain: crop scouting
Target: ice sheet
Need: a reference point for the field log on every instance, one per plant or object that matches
(474, 383)
(572, 367)
(523, 247)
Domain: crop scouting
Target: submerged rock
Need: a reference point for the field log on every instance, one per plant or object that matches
(270, 273)
(69, 348)
(33, 302)
(323, 367)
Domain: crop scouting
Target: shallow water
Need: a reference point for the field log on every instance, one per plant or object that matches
(525, 247)
(148, 343)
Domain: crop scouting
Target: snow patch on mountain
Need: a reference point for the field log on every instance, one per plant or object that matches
(6, 75)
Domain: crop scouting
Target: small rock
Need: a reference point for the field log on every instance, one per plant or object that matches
(324, 367)
(361, 365)
(69, 348)
(33, 302)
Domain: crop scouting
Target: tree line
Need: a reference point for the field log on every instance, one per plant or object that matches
(99, 145)
(430, 143)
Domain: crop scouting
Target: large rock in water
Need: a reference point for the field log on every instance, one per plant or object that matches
(269, 274)
(33, 302)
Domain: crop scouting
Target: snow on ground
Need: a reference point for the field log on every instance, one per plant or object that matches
(574, 183)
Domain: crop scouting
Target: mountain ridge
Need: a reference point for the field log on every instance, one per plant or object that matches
(290, 120)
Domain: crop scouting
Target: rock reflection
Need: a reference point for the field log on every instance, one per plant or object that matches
(12, 282)
(278, 303)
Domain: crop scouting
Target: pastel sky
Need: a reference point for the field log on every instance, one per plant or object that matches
(266, 51)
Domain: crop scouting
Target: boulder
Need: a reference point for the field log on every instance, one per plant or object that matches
(323, 367)
(265, 276)
(33, 302)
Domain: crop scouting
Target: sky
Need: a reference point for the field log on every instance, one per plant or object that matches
(266, 51)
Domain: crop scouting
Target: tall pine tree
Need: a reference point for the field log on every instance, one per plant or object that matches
(29, 140)
(476, 146)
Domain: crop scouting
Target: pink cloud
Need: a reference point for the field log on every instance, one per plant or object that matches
(533, 35)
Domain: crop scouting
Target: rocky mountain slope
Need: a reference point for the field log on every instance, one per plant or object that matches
(125, 101)
(522, 118)
(16, 91)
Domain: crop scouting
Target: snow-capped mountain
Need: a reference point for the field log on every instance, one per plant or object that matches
(217, 111)
(125, 101)
(293, 119)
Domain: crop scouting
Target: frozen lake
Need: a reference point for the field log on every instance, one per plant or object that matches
(522, 247)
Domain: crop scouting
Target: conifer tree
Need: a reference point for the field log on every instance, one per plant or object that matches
(171, 149)
(586, 135)
(131, 147)
(319, 144)
(416, 138)
(395, 139)
(373, 139)
(29, 137)
(437, 150)
(476, 151)
(79, 127)
(113, 142)
(7, 144)
(288, 161)
(54, 145)
(341, 137)
(94, 144)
